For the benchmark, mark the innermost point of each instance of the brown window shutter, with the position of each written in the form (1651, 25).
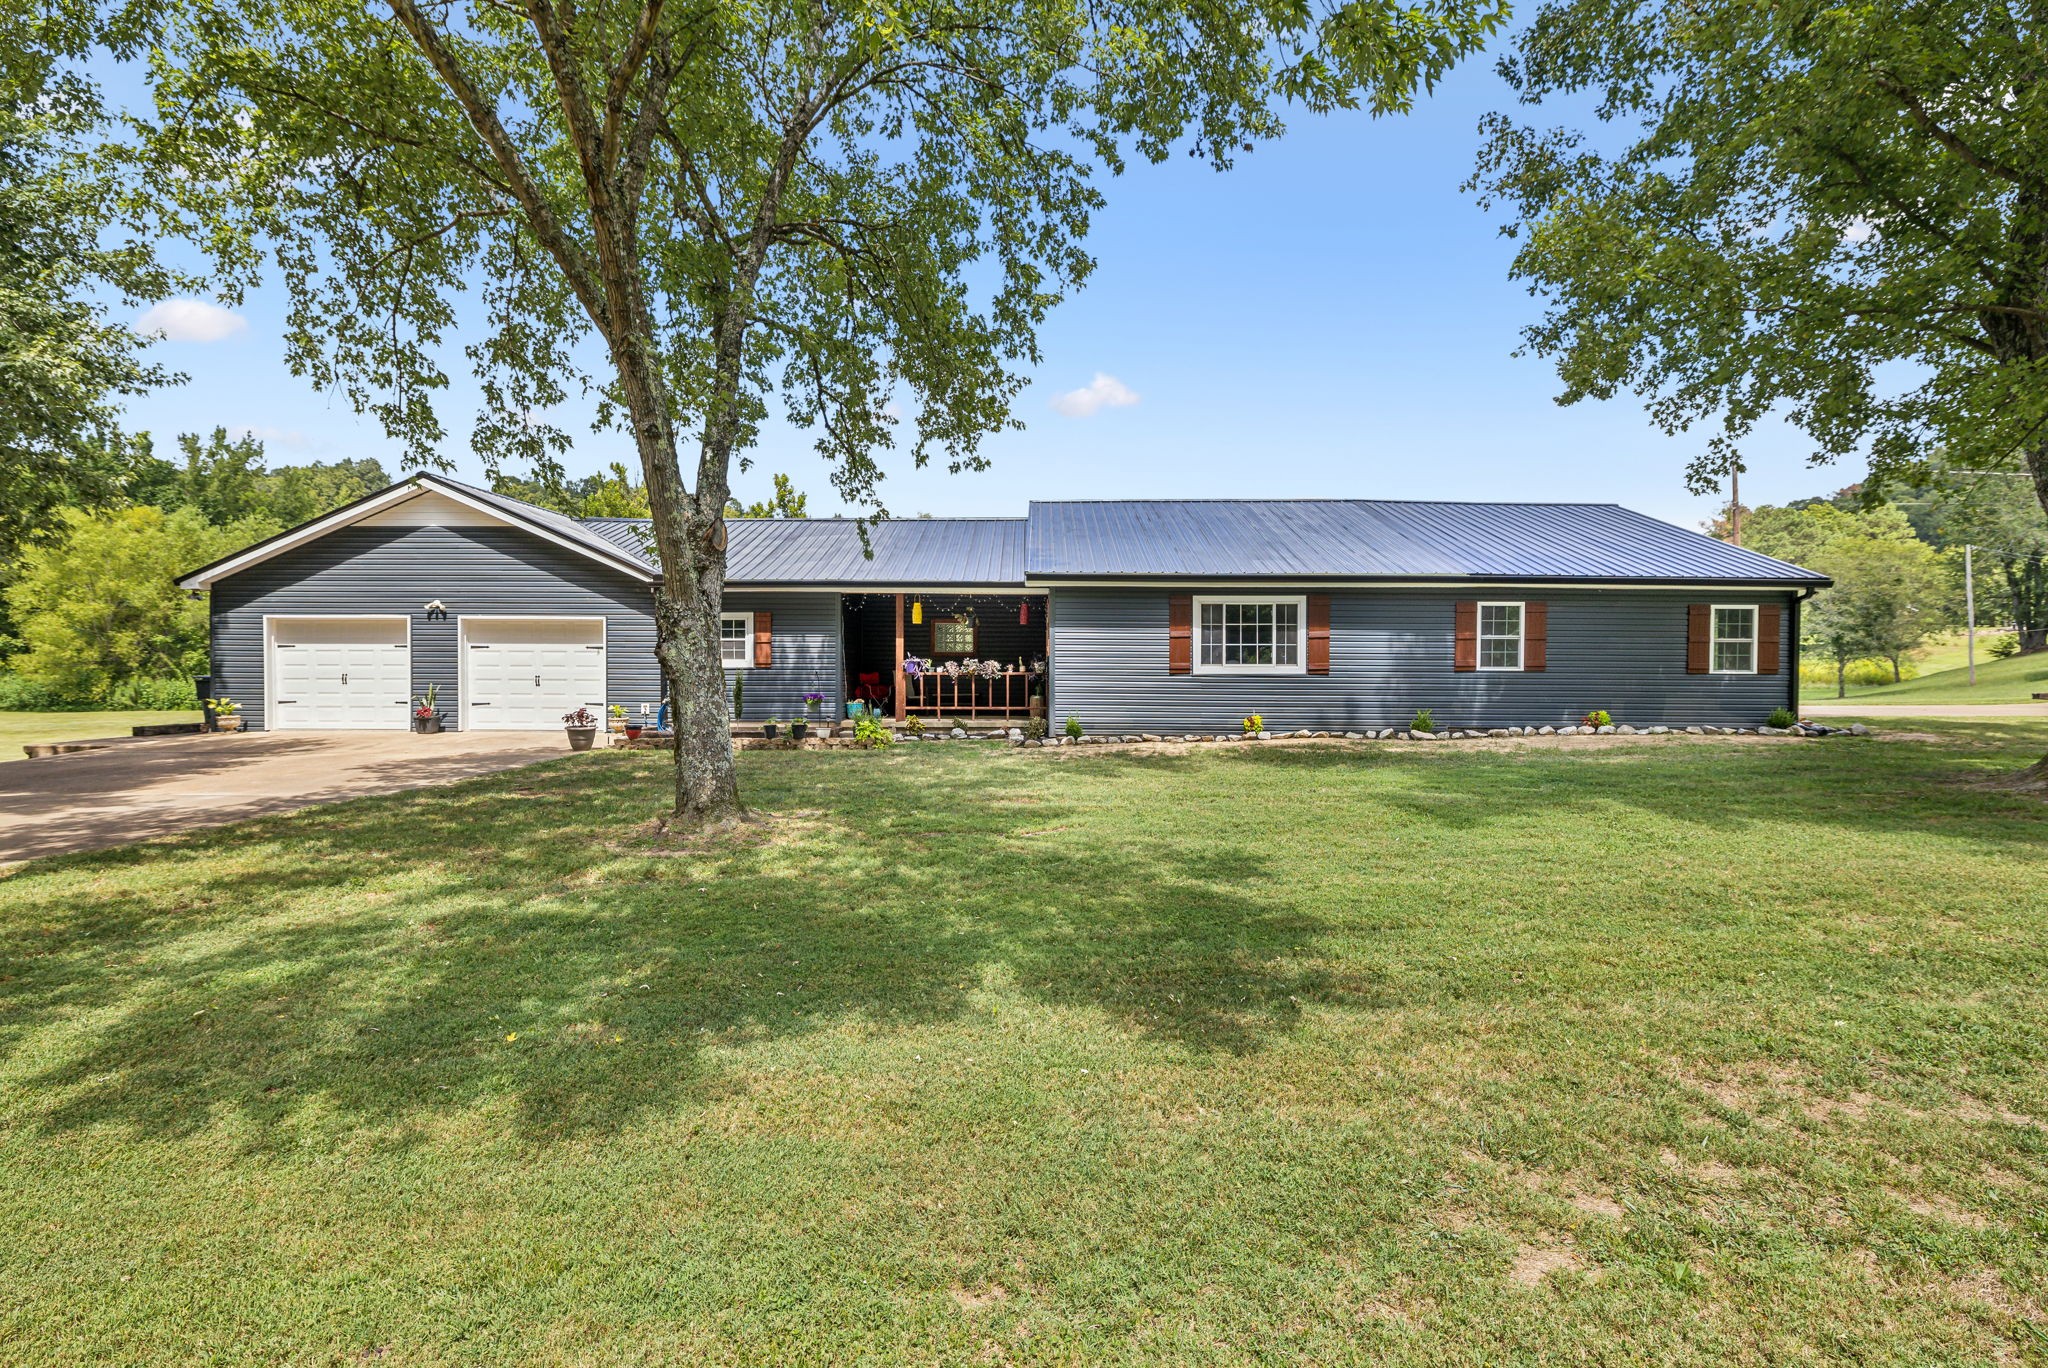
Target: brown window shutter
(764, 640)
(1180, 633)
(1318, 633)
(1535, 635)
(1465, 652)
(1770, 635)
(1699, 646)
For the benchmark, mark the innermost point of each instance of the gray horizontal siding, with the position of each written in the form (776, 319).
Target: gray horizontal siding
(807, 655)
(1390, 654)
(397, 570)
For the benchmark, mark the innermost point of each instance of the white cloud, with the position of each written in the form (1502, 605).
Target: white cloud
(1859, 231)
(1104, 391)
(189, 320)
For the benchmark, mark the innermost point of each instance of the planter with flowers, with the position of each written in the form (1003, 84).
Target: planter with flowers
(426, 712)
(224, 714)
(801, 727)
(582, 728)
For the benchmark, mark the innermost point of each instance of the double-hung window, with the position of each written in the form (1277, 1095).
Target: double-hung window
(736, 638)
(1250, 635)
(1734, 641)
(1500, 636)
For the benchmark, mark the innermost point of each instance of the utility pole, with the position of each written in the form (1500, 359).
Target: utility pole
(1970, 608)
(1735, 503)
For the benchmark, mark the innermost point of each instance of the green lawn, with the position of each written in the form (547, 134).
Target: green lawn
(18, 729)
(2012, 680)
(1667, 1051)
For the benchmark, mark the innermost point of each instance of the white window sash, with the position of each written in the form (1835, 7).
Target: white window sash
(1519, 637)
(1715, 640)
(746, 643)
(1299, 602)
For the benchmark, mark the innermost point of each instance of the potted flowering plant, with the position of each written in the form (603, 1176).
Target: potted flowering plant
(772, 728)
(800, 727)
(426, 712)
(582, 728)
(224, 710)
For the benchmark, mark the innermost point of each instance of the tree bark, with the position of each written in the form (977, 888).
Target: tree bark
(1841, 678)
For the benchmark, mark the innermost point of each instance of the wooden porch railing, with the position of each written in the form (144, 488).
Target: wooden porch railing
(939, 694)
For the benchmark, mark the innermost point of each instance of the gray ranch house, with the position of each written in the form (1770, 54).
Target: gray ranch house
(1133, 615)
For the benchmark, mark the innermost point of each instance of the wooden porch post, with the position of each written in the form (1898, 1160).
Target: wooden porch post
(899, 658)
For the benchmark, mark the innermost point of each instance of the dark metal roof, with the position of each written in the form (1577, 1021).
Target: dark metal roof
(828, 551)
(1304, 539)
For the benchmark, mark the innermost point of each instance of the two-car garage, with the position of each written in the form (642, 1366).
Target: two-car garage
(359, 673)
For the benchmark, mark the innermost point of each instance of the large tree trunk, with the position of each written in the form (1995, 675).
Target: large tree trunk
(686, 641)
(1841, 677)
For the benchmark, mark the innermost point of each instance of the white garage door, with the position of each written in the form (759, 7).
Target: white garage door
(340, 674)
(523, 674)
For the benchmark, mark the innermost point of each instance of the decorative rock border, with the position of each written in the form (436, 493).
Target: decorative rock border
(1467, 734)
(1014, 736)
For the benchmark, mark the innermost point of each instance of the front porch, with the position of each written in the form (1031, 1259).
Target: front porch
(908, 654)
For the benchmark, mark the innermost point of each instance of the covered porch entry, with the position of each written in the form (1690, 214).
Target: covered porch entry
(977, 657)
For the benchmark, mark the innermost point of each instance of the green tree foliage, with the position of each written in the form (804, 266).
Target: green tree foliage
(1891, 589)
(1788, 201)
(101, 606)
(2011, 534)
(614, 495)
(731, 206)
(227, 481)
(786, 503)
(63, 363)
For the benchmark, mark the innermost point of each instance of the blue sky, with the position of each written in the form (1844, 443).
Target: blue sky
(1332, 318)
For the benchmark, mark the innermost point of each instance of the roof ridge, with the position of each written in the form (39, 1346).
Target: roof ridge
(1325, 499)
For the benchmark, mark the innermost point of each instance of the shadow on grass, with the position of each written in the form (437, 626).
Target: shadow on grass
(364, 965)
(1859, 785)
(370, 961)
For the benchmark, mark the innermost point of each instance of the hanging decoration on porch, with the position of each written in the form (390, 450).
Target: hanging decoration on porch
(917, 611)
(1023, 612)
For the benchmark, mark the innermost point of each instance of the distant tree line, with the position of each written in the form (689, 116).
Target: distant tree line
(90, 611)
(1898, 565)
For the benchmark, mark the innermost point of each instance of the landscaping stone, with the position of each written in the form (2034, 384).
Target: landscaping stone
(1695, 731)
(1422, 736)
(1604, 731)
(1858, 729)
(1624, 730)
(1497, 731)
(1016, 733)
(1263, 736)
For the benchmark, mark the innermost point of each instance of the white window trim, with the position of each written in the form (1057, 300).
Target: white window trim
(1300, 665)
(1480, 638)
(746, 661)
(1714, 637)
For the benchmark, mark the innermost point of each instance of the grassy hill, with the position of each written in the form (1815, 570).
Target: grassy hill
(2013, 680)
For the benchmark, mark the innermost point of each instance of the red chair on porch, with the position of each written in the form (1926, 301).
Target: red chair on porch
(871, 690)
